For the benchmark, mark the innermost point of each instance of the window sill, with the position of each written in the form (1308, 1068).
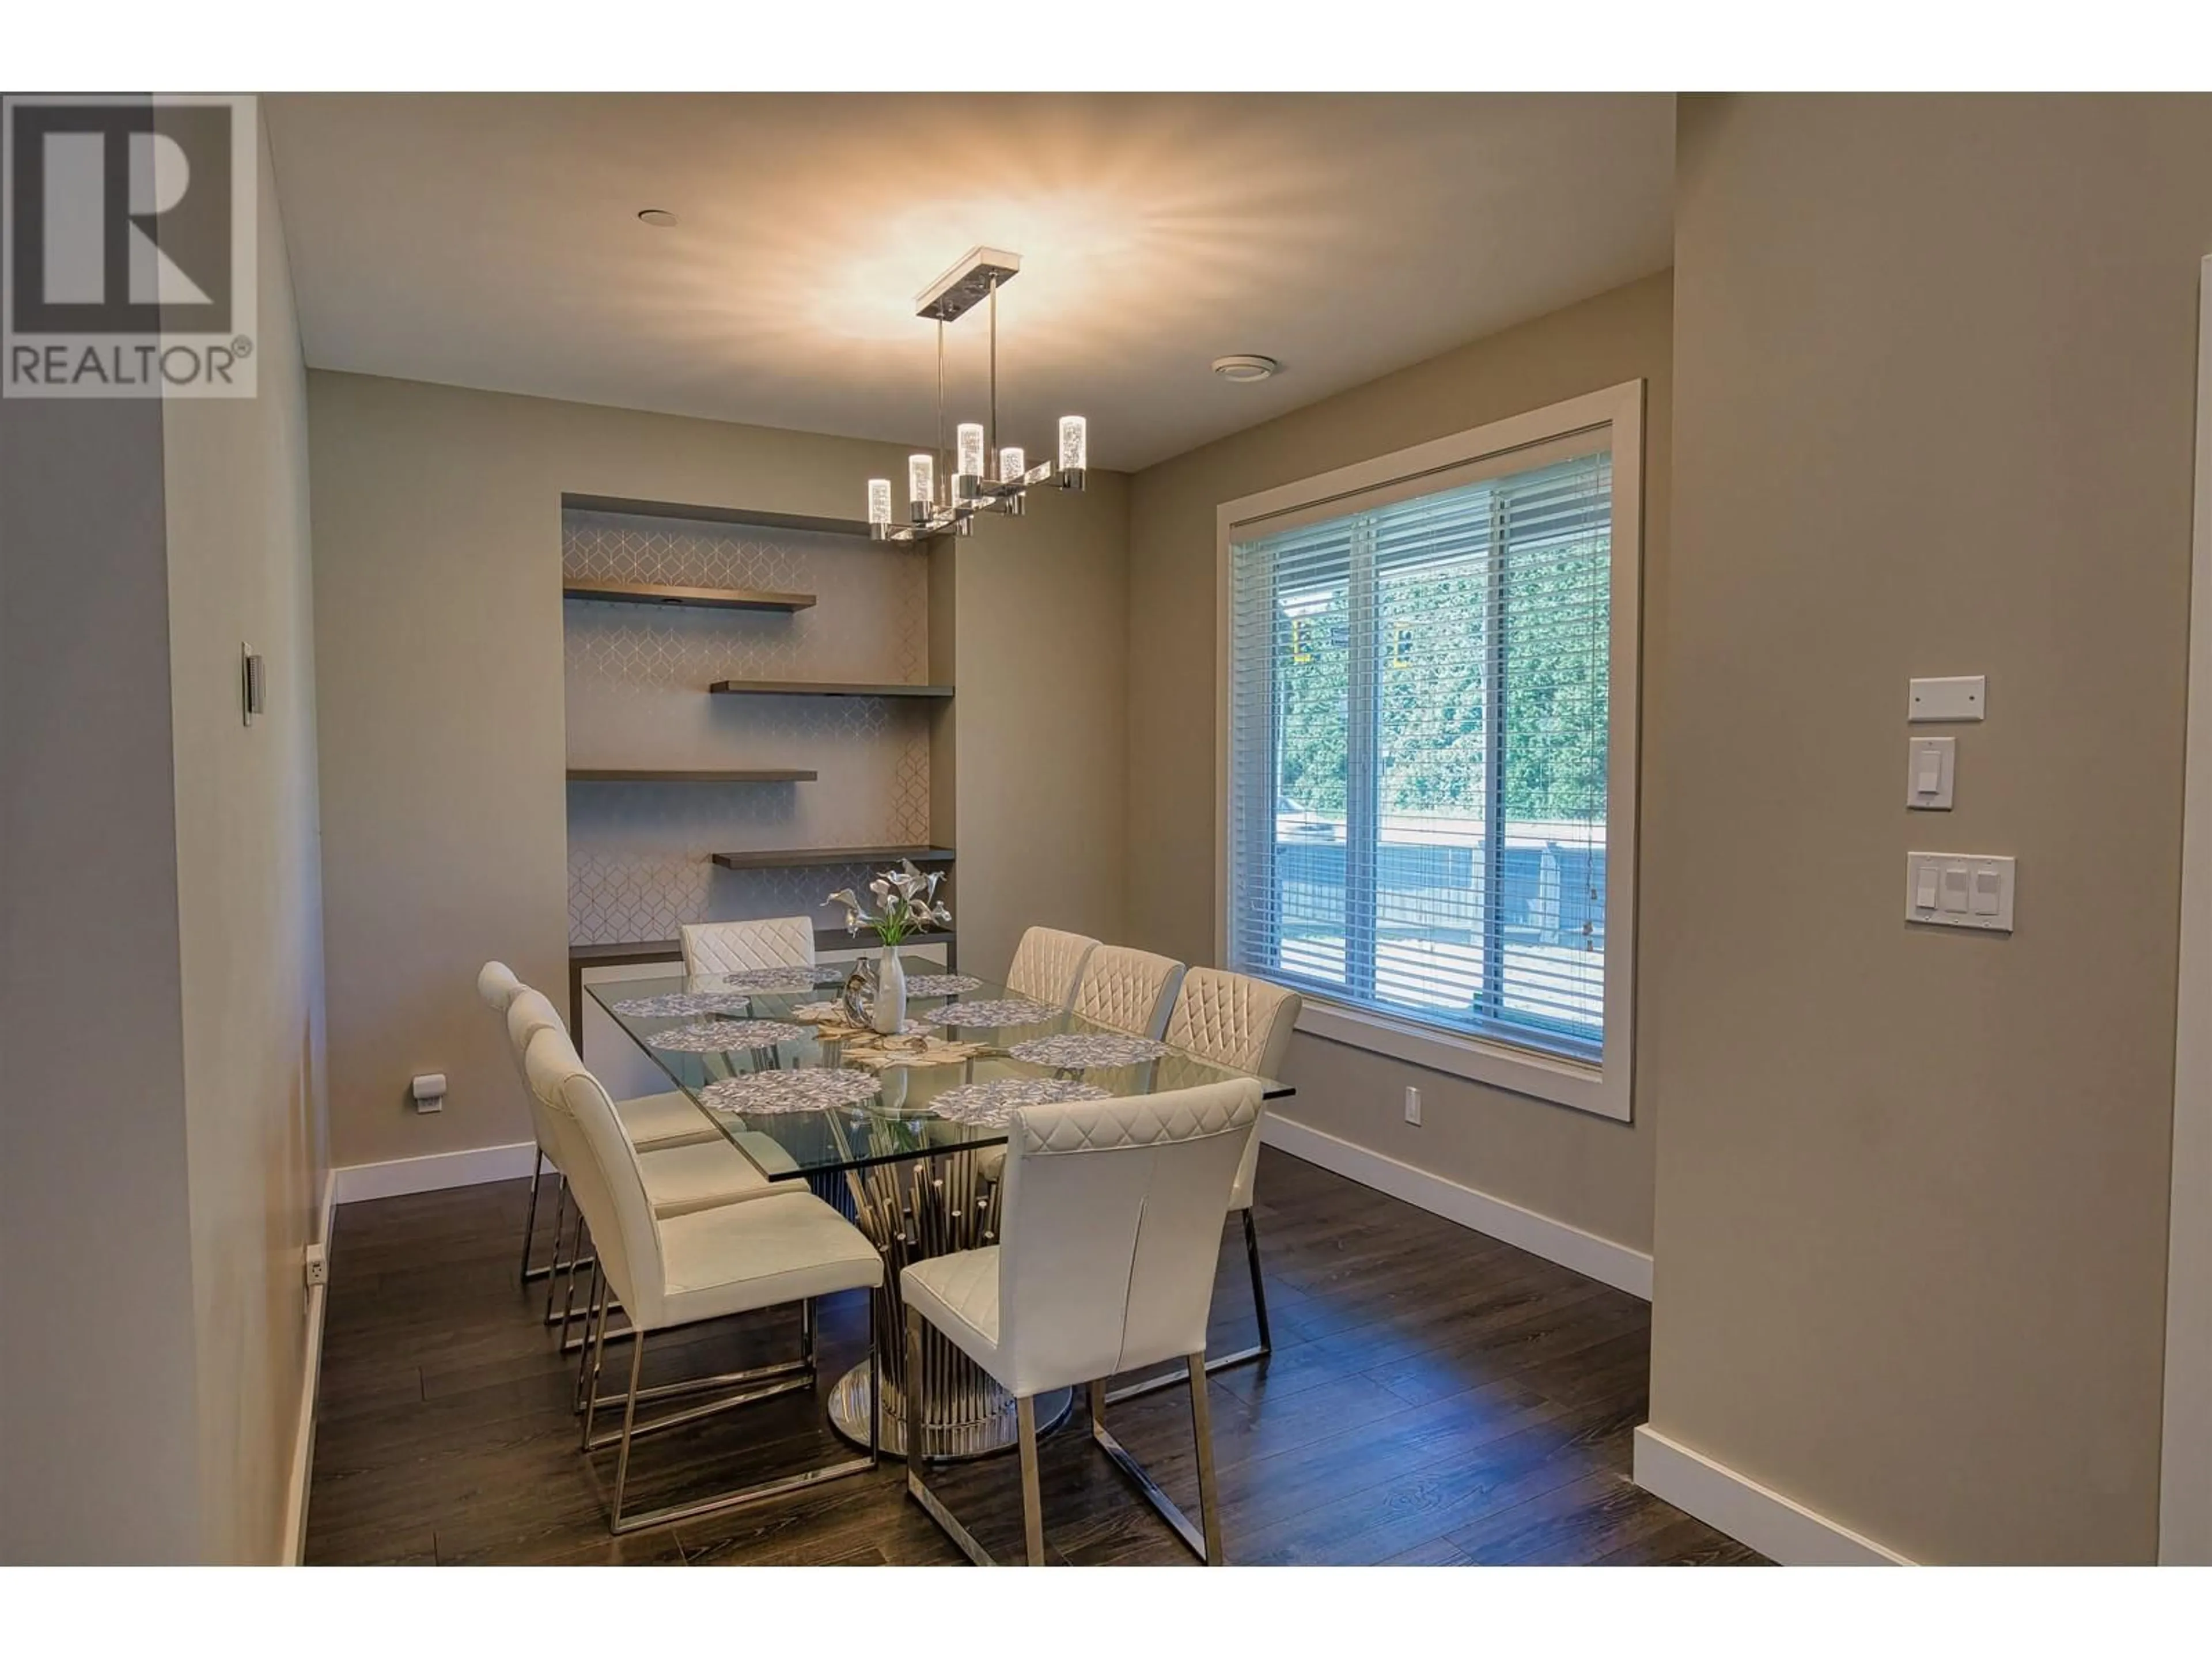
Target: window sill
(1602, 1090)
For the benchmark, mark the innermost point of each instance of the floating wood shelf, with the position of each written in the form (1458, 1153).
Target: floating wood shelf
(821, 689)
(706, 598)
(635, 508)
(673, 775)
(797, 858)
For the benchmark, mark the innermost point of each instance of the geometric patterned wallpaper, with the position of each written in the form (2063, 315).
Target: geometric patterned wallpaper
(636, 679)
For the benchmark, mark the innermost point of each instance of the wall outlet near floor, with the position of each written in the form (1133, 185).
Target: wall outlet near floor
(319, 1267)
(428, 1091)
(1413, 1105)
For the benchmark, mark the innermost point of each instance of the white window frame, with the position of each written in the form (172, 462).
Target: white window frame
(1605, 1087)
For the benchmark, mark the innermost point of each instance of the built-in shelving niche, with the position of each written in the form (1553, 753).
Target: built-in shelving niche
(760, 710)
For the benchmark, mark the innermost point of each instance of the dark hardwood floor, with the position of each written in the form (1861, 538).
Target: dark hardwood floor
(1435, 1397)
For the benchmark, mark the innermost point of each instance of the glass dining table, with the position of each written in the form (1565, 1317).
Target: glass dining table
(904, 1132)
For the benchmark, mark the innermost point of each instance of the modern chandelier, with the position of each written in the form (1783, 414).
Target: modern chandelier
(981, 477)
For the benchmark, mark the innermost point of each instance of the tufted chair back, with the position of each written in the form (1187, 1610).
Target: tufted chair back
(730, 947)
(603, 1175)
(497, 985)
(1235, 1020)
(529, 1012)
(1111, 1228)
(1128, 990)
(1048, 964)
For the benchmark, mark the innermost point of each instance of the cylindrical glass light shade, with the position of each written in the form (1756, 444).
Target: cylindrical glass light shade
(921, 480)
(879, 501)
(969, 447)
(1011, 465)
(1075, 443)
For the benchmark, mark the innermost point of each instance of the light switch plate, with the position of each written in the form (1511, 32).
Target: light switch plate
(1960, 889)
(1956, 697)
(1930, 766)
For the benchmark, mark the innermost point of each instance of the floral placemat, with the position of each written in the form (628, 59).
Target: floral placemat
(784, 979)
(677, 1005)
(721, 1037)
(1075, 1050)
(941, 985)
(991, 1105)
(978, 1016)
(810, 1089)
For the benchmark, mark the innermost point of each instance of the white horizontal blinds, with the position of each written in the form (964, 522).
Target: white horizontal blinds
(1292, 625)
(1403, 679)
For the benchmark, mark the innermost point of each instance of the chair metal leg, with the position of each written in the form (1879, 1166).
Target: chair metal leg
(1259, 1293)
(630, 1421)
(587, 1379)
(1264, 1346)
(1201, 1427)
(557, 1266)
(584, 1357)
(553, 1262)
(917, 1403)
(1141, 1476)
(530, 1218)
(619, 1523)
(1032, 1502)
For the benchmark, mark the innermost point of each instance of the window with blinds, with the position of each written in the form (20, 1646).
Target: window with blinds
(1419, 713)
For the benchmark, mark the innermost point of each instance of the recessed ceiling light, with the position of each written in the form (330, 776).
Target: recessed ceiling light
(1245, 367)
(660, 217)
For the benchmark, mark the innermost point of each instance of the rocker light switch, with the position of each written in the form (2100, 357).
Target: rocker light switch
(1929, 772)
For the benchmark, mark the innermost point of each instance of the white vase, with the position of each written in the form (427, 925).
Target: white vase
(890, 1011)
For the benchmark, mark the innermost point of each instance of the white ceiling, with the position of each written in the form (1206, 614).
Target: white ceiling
(490, 240)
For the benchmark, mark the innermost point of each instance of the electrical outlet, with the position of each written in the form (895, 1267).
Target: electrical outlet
(319, 1267)
(1413, 1105)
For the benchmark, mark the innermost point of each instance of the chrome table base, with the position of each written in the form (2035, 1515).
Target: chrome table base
(976, 1416)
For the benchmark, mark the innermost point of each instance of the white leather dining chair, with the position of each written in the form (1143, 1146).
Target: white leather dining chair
(1112, 1220)
(675, 1271)
(1128, 990)
(651, 1121)
(730, 947)
(1048, 965)
(1245, 1023)
(679, 1178)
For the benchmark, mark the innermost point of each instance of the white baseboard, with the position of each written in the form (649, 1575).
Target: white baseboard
(311, 1377)
(1779, 1527)
(434, 1173)
(1601, 1259)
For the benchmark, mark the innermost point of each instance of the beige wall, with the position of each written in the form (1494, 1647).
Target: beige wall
(1586, 1170)
(160, 1160)
(99, 1448)
(1041, 722)
(1935, 361)
(249, 910)
(439, 636)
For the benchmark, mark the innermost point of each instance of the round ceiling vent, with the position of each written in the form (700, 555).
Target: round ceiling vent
(1245, 367)
(661, 218)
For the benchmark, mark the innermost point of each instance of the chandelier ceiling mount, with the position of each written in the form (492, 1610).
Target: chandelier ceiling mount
(945, 489)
